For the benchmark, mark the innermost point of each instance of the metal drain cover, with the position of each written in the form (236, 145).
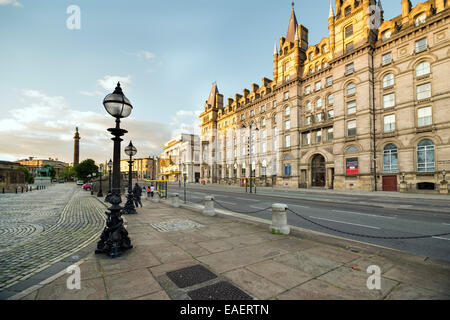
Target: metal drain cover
(176, 225)
(191, 276)
(219, 291)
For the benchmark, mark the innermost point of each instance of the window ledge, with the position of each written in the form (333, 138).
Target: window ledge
(388, 88)
(349, 139)
(427, 100)
(424, 129)
(425, 76)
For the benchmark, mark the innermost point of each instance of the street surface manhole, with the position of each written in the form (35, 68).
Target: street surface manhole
(176, 225)
(191, 276)
(219, 291)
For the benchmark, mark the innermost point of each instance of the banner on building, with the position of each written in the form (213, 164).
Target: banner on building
(352, 166)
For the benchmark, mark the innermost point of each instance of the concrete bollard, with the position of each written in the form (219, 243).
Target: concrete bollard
(156, 198)
(209, 210)
(279, 219)
(175, 200)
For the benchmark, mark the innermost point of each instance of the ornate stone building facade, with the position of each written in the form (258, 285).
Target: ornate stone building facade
(364, 109)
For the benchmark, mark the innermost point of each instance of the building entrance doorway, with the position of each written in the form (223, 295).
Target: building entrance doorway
(390, 183)
(318, 171)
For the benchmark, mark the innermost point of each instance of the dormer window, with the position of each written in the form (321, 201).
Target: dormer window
(386, 35)
(421, 19)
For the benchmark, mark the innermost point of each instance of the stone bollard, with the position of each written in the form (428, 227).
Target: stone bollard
(156, 198)
(175, 200)
(279, 219)
(209, 207)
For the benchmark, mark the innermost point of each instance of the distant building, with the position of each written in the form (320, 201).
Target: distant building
(34, 164)
(181, 157)
(143, 168)
(10, 177)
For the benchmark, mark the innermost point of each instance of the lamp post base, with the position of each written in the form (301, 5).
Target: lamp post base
(114, 239)
(129, 206)
(108, 197)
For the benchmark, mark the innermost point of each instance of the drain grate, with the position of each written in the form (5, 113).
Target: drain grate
(188, 277)
(219, 291)
(176, 225)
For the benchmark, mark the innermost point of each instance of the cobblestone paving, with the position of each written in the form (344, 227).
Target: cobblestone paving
(40, 227)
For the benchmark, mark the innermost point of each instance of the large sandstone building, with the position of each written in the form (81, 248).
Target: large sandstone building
(364, 109)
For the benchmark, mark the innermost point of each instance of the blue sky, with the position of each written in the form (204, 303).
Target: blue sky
(167, 54)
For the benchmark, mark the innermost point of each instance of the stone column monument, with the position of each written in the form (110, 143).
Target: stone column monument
(76, 148)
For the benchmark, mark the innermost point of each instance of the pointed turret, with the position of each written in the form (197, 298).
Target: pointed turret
(212, 95)
(275, 49)
(331, 13)
(292, 26)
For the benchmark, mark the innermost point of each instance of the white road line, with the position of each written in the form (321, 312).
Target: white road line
(364, 214)
(298, 206)
(441, 238)
(246, 199)
(446, 224)
(230, 203)
(259, 208)
(353, 224)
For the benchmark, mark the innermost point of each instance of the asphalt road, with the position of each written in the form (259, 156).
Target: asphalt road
(393, 220)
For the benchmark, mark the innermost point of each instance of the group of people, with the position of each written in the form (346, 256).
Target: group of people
(137, 193)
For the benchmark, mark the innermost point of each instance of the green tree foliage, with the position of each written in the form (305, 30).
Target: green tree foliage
(28, 177)
(67, 173)
(85, 168)
(52, 171)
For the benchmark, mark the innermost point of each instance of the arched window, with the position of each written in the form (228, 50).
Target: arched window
(319, 103)
(308, 106)
(352, 150)
(351, 89)
(287, 111)
(423, 69)
(390, 158)
(388, 80)
(425, 156)
(330, 99)
(263, 122)
(274, 119)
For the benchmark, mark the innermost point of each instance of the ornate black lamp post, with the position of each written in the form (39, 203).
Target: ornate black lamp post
(114, 239)
(129, 206)
(100, 191)
(110, 166)
(250, 141)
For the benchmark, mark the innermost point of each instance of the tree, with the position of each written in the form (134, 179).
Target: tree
(52, 171)
(67, 173)
(85, 168)
(28, 177)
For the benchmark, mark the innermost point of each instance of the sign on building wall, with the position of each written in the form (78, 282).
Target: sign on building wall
(352, 166)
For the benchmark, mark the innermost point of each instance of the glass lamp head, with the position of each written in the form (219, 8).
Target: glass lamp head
(130, 150)
(116, 104)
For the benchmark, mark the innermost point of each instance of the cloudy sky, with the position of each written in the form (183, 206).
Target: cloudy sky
(166, 54)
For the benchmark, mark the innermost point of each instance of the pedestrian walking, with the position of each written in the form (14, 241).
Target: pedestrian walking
(149, 190)
(152, 191)
(137, 192)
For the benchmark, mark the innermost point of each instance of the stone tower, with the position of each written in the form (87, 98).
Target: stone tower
(76, 148)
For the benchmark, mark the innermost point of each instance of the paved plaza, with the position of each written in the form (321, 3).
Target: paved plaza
(40, 228)
(180, 254)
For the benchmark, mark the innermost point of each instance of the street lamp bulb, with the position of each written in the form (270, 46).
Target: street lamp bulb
(130, 150)
(110, 164)
(116, 104)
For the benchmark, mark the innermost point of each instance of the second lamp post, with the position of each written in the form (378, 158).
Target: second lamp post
(129, 206)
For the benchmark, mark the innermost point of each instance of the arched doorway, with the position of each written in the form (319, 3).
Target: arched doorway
(318, 171)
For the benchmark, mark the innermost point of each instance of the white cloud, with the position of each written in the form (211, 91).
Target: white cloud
(43, 126)
(91, 94)
(108, 83)
(146, 55)
(186, 121)
(15, 3)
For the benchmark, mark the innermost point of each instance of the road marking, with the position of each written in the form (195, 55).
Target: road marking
(440, 238)
(446, 224)
(353, 224)
(230, 203)
(246, 199)
(296, 205)
(259, 208)
(364, 214)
